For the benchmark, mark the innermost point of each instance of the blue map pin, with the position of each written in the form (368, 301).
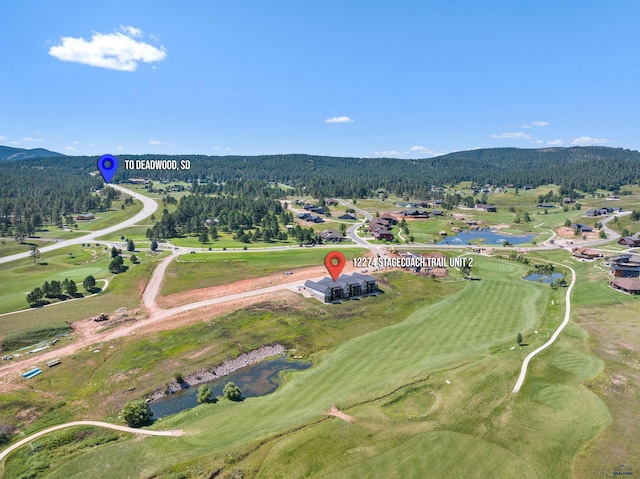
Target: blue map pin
(108, 164)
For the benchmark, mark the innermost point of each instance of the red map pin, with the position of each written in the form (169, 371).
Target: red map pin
(335, 262)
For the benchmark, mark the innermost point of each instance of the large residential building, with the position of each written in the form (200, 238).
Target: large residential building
(346, 287)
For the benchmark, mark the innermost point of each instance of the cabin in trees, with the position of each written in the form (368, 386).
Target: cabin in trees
(86, 217)
(346, 287)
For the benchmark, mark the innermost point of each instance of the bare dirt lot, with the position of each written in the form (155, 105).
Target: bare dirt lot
(186, 297)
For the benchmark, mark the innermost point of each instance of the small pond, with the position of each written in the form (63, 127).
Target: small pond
(545, 277)
(485, 236)
(255, 380)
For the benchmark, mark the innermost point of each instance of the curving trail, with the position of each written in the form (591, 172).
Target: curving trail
(565, 321)
(145, 432)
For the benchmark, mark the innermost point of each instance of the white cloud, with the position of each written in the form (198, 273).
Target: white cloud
(387, 153)
(69, 148)
(114, 51)
(513, 135)
(155, 38)
(131, 31)
(339, 119)
(14, 142)
(2, 138)
(156, 142)
(536, 142)
(588, 140)
(27, 138)
(119, 147)
(556, 142)
(535, 123)
(91, 144)
(420, 149)
(76, 142)
(217, 147)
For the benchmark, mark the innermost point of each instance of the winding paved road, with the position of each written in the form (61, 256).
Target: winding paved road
(149, 206)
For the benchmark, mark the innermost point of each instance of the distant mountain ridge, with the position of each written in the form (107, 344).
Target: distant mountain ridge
(583, 168)
(8, 153)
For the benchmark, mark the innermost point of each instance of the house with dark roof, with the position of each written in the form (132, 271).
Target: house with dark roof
(583, 228)
(382, 234)
(331, 235)
(630, 241)
(390, 218)
(347, 216)
(487, 208)
(345, 287)
(625, 266)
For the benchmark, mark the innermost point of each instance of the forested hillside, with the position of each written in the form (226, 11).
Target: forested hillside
(35, 195)
(8, 153)
(579, 168)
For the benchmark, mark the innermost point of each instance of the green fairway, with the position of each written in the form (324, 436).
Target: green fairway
(75, 263)
(479, 317)
(201, 270)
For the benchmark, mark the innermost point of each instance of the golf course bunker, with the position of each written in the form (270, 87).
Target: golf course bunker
(255, 380)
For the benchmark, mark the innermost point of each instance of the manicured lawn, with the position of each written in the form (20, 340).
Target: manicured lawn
(75, 263)
(458, 328)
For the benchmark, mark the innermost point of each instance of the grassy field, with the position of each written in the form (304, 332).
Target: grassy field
(75, 263)
(124, 291)
(9, 246)
(465, 339)
(201, 270)
(112, 217)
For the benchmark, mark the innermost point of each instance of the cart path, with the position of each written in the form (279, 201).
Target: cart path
(534, 353)
(107, 425)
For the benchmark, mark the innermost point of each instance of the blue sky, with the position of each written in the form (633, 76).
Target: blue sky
(347, 78)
